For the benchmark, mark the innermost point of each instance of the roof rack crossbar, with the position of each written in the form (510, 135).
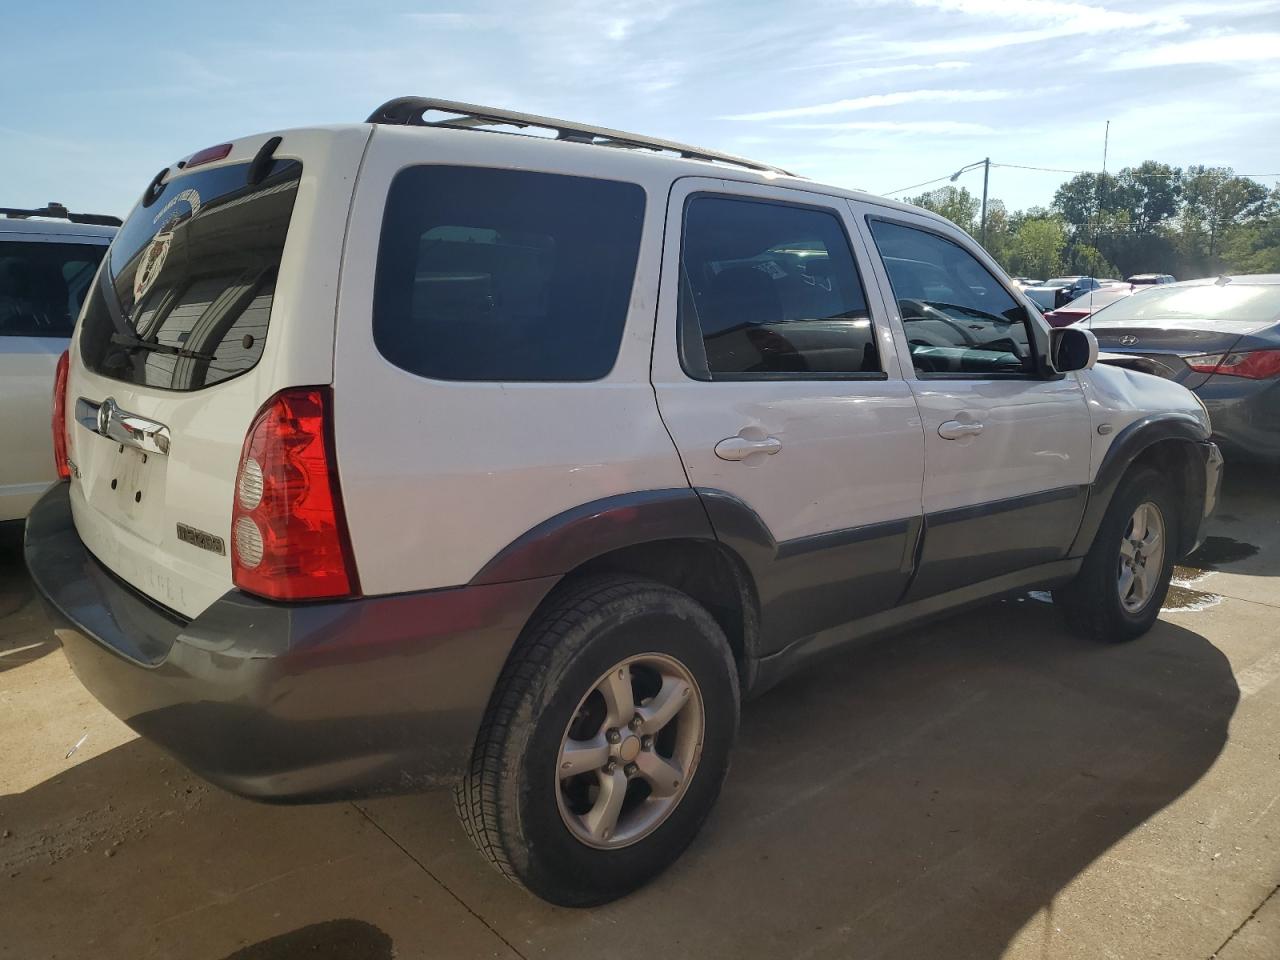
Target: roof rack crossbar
(59, 212)
(410, 111)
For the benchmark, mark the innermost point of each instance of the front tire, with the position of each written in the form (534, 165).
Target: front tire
(1125, 577)
(605, 743)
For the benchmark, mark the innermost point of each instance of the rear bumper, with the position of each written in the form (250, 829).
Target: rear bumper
(1245, 415)
(285, 702)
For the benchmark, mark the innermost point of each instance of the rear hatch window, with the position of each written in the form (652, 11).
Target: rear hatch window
(184, 299)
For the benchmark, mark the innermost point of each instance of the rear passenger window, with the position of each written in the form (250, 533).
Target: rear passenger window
(957, 317)
(487, 274)
(770, 290)
(42, 286)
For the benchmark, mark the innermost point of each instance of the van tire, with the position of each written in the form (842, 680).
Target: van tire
(1092, 602)
(511, 799)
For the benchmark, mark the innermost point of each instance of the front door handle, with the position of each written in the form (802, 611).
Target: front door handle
(955, 429)
(739, 448)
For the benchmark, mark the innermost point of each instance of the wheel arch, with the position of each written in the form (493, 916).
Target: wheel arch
(663, 535)
(1170, 443)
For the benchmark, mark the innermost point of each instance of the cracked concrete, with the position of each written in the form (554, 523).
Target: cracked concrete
(986, 787)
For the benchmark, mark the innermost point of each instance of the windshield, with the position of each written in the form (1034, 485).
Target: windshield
(1250, 303)
(185, 297)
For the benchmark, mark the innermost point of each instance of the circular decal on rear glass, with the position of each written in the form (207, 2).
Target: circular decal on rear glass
(170, 215)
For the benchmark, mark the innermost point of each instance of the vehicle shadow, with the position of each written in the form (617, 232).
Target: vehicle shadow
(1244, 536)
(24, 633)
(923, 796)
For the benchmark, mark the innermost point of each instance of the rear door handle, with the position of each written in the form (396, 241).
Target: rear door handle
(739, 448)
(955, 429)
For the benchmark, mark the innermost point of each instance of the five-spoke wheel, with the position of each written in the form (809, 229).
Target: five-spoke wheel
(629, 750)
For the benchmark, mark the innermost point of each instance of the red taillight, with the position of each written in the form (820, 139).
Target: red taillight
(60, 417)
(1252, 364)
(207, 155)
(288, 535)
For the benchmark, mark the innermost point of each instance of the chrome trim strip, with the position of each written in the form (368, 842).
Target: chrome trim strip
(131, 429)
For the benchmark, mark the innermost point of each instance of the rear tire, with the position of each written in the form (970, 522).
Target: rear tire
(1123, 582)
(606, 645)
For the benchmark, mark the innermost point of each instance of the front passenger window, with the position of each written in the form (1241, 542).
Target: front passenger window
(957, 316)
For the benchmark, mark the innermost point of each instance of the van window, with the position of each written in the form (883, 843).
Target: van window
(185, 296)
(770, 290)
(505, 275)
(42, 286)
(957, 317)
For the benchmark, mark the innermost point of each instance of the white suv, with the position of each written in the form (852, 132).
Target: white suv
(48, 257)
(406, 453)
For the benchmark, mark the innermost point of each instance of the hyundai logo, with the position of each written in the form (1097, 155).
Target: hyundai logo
(1128, 340)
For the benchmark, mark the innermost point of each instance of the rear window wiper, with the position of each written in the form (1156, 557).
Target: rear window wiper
(128, 340)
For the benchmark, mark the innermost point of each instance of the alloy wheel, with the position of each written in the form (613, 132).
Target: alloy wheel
(629, 751)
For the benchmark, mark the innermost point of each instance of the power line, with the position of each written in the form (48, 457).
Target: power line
(916, 186)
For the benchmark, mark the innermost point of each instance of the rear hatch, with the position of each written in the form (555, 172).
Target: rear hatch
(218, 292)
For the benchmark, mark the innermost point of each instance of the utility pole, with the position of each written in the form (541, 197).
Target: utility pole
(986, 173)
(1106, 139)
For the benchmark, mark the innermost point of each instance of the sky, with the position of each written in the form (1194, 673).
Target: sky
(876, 94)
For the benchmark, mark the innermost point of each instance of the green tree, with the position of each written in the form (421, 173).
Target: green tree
(1036, 248)
(1214, 201)
(1148, 193)
(1254, 246)
(1088, 261)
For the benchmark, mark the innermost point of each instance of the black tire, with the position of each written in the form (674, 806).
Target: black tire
(1092, 602)
(507, 801)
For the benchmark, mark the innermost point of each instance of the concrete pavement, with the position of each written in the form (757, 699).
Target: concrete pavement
(986, 787)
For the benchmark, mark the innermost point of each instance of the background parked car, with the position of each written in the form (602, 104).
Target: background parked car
(1048, 296)
(1089, 303)
(1149, 279)
(46, 267)
(1219, 338)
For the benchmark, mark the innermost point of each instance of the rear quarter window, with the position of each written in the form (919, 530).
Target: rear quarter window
(505, 275)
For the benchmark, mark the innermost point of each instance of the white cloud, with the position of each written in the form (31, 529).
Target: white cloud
(1223, 50)
(854, 72)
(881, 100)
(945, 127)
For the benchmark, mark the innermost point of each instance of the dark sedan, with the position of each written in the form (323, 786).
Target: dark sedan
(1219, 338)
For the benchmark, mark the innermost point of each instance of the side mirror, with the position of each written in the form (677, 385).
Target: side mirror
(1073, 349)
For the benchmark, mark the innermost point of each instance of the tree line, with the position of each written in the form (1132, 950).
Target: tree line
(1153, 218)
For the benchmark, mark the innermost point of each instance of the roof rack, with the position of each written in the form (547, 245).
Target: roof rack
(60, 212)
(410, 111)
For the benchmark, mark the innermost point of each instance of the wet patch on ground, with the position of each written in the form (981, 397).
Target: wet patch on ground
(1186, 600)
(1219, 550)
(1184, 595)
